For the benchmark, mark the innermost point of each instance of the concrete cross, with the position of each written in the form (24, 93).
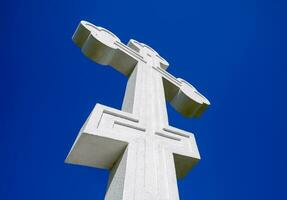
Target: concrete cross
(144, 154)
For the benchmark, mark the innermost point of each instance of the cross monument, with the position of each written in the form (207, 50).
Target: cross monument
(145, 155)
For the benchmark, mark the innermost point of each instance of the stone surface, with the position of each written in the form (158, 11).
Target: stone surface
(144, 154)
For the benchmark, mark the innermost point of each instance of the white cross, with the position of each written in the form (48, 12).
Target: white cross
(144, 154)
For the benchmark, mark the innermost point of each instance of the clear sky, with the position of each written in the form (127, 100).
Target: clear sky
(233, 51)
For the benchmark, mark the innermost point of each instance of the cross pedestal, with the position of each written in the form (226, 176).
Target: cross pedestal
(144, 154)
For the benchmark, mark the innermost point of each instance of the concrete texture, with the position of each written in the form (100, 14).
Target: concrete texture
(144, 154)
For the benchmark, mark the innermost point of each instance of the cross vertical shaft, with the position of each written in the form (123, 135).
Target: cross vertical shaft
(150, 164)
(144, 97)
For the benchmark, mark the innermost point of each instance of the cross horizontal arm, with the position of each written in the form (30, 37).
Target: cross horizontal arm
(183, 97)
(103, 137)
(108, 131)
(103, 47)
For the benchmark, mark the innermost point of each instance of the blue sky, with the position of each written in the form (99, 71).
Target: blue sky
(234, 52)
